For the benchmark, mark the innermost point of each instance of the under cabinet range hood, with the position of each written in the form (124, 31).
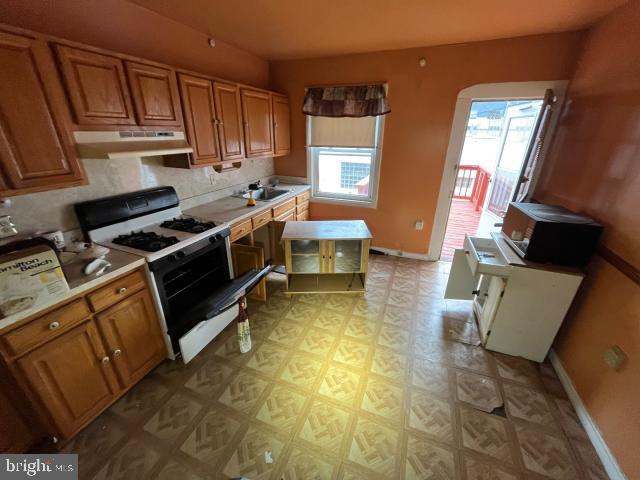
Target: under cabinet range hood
(131, 144)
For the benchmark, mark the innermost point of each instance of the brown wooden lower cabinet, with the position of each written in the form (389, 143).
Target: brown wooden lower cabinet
(135, 347)
(72, 377)
(73, 374)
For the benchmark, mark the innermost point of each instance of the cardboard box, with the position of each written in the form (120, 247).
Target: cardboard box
(30, 278)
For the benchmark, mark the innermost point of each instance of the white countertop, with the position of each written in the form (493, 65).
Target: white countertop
(121, 262)
(233, 209)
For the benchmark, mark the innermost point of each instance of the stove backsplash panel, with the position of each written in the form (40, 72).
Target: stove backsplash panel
(53, 210)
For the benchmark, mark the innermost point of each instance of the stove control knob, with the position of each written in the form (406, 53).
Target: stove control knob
(180, 254)
(215, 238)
(171, 257)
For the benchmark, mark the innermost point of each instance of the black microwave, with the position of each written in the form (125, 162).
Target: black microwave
(550, 234)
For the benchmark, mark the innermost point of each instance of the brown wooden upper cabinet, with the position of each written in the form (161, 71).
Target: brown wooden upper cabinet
(257, 114)
(155, 95)
(199, 119)
(100, 94)
(36, 143)
(229, 120)
(97, 87)
(281, 131)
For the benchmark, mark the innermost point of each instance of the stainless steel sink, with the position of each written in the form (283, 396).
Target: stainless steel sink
(265, 194)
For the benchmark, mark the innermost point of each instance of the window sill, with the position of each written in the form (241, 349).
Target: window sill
(344, 201)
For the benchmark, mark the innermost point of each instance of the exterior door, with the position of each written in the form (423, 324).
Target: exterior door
(36, 144)
(132, 333)
(199, 119)
(229, 120)
(245, 258)
(257, 114)
(72, 376)
(281, 125)
(515, 142)
(97, 86)
(155, 95)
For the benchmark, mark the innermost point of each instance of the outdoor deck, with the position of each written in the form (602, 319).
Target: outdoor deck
(463, 218)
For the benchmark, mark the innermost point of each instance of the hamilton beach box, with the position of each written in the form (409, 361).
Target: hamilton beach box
(30, 277)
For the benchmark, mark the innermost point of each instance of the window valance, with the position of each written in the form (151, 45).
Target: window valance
(346, 101)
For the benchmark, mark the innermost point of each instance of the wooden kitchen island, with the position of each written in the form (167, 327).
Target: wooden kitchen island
(326, 256)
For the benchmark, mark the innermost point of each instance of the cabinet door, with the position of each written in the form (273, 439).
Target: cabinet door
(306, 256)
(281, 130)
(97, 87)
(133, 337)
(229, 120)
(72, 377)
(257, 115)
(347, 256)
(36, 145)
(490, 306)
(461, 282)
(199, 119)
(328, 250)
(245, 258)
(155, 95)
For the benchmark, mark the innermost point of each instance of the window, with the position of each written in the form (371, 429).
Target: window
(344, 158)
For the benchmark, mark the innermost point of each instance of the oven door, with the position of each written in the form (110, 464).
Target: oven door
(214, 313)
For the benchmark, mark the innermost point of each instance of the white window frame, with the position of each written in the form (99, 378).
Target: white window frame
(370, 200)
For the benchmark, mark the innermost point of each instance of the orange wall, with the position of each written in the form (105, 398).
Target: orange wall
(128, 28)
(417, 129)
(594, 167)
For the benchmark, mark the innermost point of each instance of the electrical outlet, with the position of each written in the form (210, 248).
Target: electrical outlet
(419, 224)
(7, 228)
(614, 357)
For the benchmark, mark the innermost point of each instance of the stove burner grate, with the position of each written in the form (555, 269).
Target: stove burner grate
(189, 224)
(147, 241)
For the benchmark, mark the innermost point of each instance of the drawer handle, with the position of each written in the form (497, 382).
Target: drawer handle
(117, 352)
(105, 360)
(121, 290)
(54, 325)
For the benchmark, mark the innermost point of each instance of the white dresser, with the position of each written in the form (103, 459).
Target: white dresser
(519, 305)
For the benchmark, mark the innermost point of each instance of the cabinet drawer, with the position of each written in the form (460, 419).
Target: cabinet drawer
(303, 197)
(289, 215)
(302, 207)
(240, 230)
(261, 219)
(301, 217)
(116, 291)
(45, 328)
(484, 256)
(283, 207)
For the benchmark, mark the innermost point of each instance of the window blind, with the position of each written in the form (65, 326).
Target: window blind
(342, 132)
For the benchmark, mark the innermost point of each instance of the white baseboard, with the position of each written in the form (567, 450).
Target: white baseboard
(400, 253)
(606, 457)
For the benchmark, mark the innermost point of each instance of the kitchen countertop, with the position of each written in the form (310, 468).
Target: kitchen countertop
(121, 262)
(233, 209)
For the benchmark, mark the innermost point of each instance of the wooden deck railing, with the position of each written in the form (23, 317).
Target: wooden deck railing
(472, 183)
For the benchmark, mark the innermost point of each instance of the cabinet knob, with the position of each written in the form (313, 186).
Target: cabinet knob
(117, 352)
(54, 325)
(121, 290)
(105, 360)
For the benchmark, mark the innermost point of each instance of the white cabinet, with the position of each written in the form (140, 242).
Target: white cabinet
(519, 306)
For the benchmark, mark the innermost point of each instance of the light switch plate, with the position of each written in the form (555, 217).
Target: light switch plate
(614, 357)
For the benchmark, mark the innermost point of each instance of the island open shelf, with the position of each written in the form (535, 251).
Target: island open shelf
(326, 256)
